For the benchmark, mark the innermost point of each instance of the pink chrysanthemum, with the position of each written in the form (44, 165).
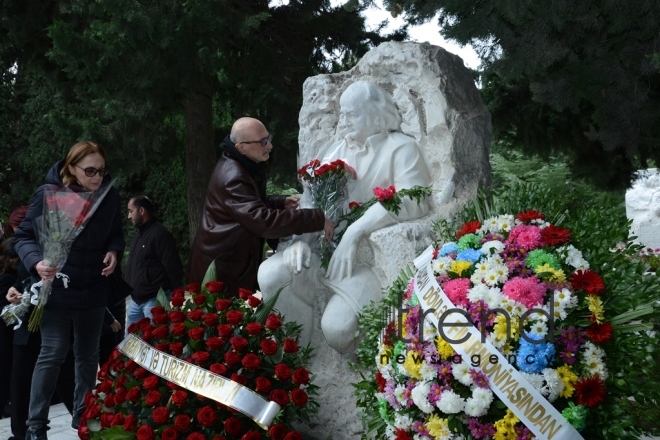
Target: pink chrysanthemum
(456, 290)
(527, 291)
(528, 237)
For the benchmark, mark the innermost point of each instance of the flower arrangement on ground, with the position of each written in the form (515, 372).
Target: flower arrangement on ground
(533, 296)
(235, 337)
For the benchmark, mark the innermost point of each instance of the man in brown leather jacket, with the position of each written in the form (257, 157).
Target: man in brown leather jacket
(238, 215)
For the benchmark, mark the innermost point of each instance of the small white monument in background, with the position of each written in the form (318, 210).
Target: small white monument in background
(406, 114)
(643, 208)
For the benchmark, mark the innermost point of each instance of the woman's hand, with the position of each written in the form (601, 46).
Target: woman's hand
(45, 270)
(13, 295)
(110, 262)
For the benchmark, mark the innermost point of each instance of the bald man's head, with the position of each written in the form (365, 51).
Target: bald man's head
(247, 135)
(243, 129)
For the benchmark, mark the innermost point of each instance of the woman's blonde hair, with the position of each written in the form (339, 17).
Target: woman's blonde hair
(75, 155)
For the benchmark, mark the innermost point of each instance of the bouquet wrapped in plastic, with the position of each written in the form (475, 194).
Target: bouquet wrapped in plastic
(65, 214)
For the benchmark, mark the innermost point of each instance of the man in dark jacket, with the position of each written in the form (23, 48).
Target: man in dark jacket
(238, 215)
(153, 261)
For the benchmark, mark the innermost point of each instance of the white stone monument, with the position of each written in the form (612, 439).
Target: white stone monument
(643, 208)
(406, 114)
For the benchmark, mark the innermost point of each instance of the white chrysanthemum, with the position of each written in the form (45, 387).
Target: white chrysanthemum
(553, 384)
(519, 309)
(428, 371)
(539, 328)
(558, 311)
(506, 222)
(398, 393)
(441, 265)
(563, 296)
(462, 373)
(535, 380)
(450, 402)
(481, 265)
(478, 276)
(492, 277)
(419, 396)
(402, 421)
(483, 396)
(590, 350)
(491, 225)
(493, 298)
(474, 409)
(574, 257)
(477, 292)
(498, 342)
(491, 247)
(599, 370)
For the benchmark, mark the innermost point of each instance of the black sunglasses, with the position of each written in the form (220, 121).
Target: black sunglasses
(263, 141)
(91, 171)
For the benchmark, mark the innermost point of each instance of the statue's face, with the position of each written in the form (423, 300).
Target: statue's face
(357, 119)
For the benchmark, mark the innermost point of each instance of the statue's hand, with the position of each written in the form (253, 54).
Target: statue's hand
(341, 263)
(297, 256)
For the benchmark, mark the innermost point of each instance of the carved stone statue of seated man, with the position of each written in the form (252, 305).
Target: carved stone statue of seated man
(382, 156)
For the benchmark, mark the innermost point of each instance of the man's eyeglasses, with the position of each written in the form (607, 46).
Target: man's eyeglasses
(263, 141)
(91, 171)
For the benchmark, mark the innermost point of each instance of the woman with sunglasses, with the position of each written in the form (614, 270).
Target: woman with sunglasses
(81, 305)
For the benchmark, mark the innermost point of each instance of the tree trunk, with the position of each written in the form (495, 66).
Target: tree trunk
(200, 156)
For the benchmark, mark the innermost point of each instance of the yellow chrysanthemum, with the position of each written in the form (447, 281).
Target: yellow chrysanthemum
(445, 350)
(502, 328)
(438, 427)
(556, 275)
(505, 426)
(404, 332)
(460, 266)
(569, 378)
(413, 364)
(596, 308)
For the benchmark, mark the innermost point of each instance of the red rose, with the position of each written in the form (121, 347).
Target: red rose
(219, 437)
(151, 383)
(225, 330)
(300, 376)
(160, 319)
(178, 329)
(210, 319)
(232, 358)
(214, 343)
(177, 316)
(160, 415)
(163, 346)
(131, 365)
(169, 434)
(178, 298)
(103, 372)
(117, 419)
(222, 304)
(277, 432)
(214, 286)
(134, 394)
(206, 416)
(171, 385)
(152, 398)
(145, 432)
(130, 422)
(199, 299)
(290, 346)
(182, 422)
(262, 385)
(144, 323)
(251, 361)
(83, 432)
(238, 343)
(254, 328)
(273, 322)
(196, 333)
(239, 378)
(253, 301)
(283, 372)
(298, 397)
(280, 397)
(104, 386)
(251, 435)
(193, 288)
(268, 346)
(94, 411)
(234, 317)
(158, 311)
(218, 369)
(179, 398)
(196, 436)
(233, 426)
(121, 381)
(353, 205)
(141, 373)
(176, 348)
(244, 293)
(195, 314)
(120, 396)
(109, 401)
(293, 435)
(201, 357)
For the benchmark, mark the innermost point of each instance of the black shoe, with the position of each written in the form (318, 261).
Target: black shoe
(75, 422)
(37, 432)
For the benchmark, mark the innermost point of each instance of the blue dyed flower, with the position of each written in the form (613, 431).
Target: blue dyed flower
(534, 357)
(448, 248)
(470, 255)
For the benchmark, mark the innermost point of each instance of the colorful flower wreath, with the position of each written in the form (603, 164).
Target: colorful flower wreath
(234, 337)
(514, 264)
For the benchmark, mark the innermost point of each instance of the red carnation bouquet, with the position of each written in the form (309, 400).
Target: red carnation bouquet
(238, 338)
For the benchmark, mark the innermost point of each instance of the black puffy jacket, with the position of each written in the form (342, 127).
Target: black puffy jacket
(87, 287)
